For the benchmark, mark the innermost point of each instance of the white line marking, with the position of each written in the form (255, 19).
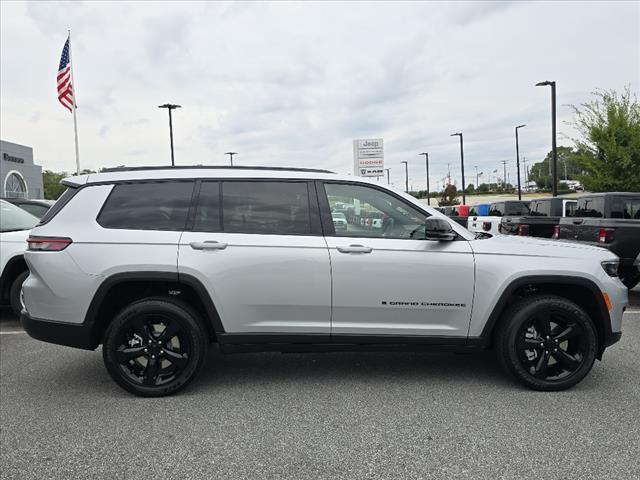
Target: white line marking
(15, 332)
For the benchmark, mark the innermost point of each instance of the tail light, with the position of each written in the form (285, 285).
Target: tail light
(556, 231)
(48, 244)
(606, 235)
(523, 230)
(486, 226)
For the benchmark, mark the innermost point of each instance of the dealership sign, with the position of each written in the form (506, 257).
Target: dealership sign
(368, 157)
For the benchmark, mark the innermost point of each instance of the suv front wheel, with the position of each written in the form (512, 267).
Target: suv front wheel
(154, 347)
(547, 342)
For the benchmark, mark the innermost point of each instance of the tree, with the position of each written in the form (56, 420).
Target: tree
(569, 165)
(609, 147)
(51, 182)
(470, 188)
(449, 196)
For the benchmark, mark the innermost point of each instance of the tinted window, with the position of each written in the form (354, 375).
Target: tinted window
(516, 208)
(207, 216)
(373, 213)
(280, 208)
(496, 210)
(147, 206)
(590, 207)
(570, 209)
(631, 208)
(34, 209)
(540, 209)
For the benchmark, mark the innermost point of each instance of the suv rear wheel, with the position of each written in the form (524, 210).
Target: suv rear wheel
(547, 342)
(154, 347)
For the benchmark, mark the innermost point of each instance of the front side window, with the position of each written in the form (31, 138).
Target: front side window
(278, 208)
(370, 212)
(496, 210)
(147, 206)
(541, 208)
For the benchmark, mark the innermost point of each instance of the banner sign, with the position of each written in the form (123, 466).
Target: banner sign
(368, 157)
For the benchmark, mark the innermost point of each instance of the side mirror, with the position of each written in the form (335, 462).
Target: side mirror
(439, 230)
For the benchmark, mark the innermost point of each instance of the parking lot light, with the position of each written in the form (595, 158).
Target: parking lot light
(554, 148)
(426, 160)
(518, 161)
(459, 134)
(406, 176)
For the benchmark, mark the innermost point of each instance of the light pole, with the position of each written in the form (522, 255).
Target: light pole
(464, 199)
(406, 176)
(426, 159)
(387, 170)
(170, 106)
(554, 148)
(518, 161)
(477, 179)
(231, 154)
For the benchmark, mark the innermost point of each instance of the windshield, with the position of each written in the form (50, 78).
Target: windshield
(13, 218)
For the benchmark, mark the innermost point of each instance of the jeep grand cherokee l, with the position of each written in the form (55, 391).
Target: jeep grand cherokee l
(156, 264)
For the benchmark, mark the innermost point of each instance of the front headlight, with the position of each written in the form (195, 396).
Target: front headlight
(611, 267)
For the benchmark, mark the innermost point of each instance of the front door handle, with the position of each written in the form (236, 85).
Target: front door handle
(355, 249)
(208, 245)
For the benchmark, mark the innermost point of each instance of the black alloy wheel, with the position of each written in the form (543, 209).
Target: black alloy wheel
(547, 342)
(154, 347)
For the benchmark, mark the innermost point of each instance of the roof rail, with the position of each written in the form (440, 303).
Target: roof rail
(214, 167)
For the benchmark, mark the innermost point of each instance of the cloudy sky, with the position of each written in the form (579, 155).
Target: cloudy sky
(294, 83)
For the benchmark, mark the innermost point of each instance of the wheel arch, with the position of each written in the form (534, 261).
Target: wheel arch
(120, 289)
(12, 269)
(582, 291)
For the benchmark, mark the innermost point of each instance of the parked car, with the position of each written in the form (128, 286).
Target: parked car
(339, 221)
(453, 212)
(36, 208)
(155, 264)
(497, 210)
(544, 215)
(479, 210)
(609, 220)
(15, 224)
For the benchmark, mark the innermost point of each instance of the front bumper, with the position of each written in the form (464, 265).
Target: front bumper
(69, 334)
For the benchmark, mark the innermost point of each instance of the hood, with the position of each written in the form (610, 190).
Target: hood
(539, 247)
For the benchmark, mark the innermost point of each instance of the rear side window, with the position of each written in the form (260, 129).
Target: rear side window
(590, 207)
(279, 208)
(496, 210)
(516, 208)
(631, 208)
(540, 209)
(147, 206)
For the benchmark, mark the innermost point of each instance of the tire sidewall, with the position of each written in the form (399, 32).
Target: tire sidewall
(178, 312)
(14, 292)
(522, 315)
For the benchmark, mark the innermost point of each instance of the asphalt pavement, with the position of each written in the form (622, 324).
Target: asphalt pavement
(329, 415)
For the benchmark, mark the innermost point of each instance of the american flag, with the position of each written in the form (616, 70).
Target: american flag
(65, 88)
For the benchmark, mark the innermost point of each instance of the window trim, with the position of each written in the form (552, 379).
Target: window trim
(137, 182)
(325, 209)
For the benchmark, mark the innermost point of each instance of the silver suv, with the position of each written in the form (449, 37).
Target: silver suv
(156, 264)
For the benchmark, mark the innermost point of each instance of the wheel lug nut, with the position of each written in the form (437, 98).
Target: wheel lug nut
(146, 350)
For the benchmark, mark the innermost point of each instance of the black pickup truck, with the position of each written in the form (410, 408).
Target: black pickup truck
(609, 220)
(544, 215)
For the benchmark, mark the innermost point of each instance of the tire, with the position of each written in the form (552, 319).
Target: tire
(528, 350)
(630, 277)
(154, 347)
(14, 292)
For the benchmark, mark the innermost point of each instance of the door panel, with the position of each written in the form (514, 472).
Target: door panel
(259, 280)
(385, 279)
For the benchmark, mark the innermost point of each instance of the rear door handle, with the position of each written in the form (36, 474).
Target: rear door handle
(208, 245)
(355, 249)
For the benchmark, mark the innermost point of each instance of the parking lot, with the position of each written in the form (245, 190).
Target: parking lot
(339, 415)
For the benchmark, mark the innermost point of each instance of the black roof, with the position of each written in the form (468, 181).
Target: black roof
(212, 167)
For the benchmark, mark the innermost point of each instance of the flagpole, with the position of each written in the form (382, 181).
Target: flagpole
(75, 106)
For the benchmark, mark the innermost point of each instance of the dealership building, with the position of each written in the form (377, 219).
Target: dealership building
(19, 176)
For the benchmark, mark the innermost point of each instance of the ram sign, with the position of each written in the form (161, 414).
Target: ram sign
(368, 157)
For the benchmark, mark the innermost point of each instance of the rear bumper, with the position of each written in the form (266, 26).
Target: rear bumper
(69, 334)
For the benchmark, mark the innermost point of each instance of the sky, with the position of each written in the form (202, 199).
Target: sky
(293, 83)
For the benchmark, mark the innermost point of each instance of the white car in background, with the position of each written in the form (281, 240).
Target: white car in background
(339, 221)
(15, 224)
(497, 210)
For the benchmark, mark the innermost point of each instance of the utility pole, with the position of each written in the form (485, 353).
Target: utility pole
(526, 171)
(426, 160)
(459, 134)
(504, 176)
(387, 170)
(518, 161)
(554, 147)
(449, 173)
(477, 177)
(406, 176)
(170, 106)
(231, 154)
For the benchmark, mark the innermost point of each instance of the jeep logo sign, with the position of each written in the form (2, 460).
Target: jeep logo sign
(368, 157)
